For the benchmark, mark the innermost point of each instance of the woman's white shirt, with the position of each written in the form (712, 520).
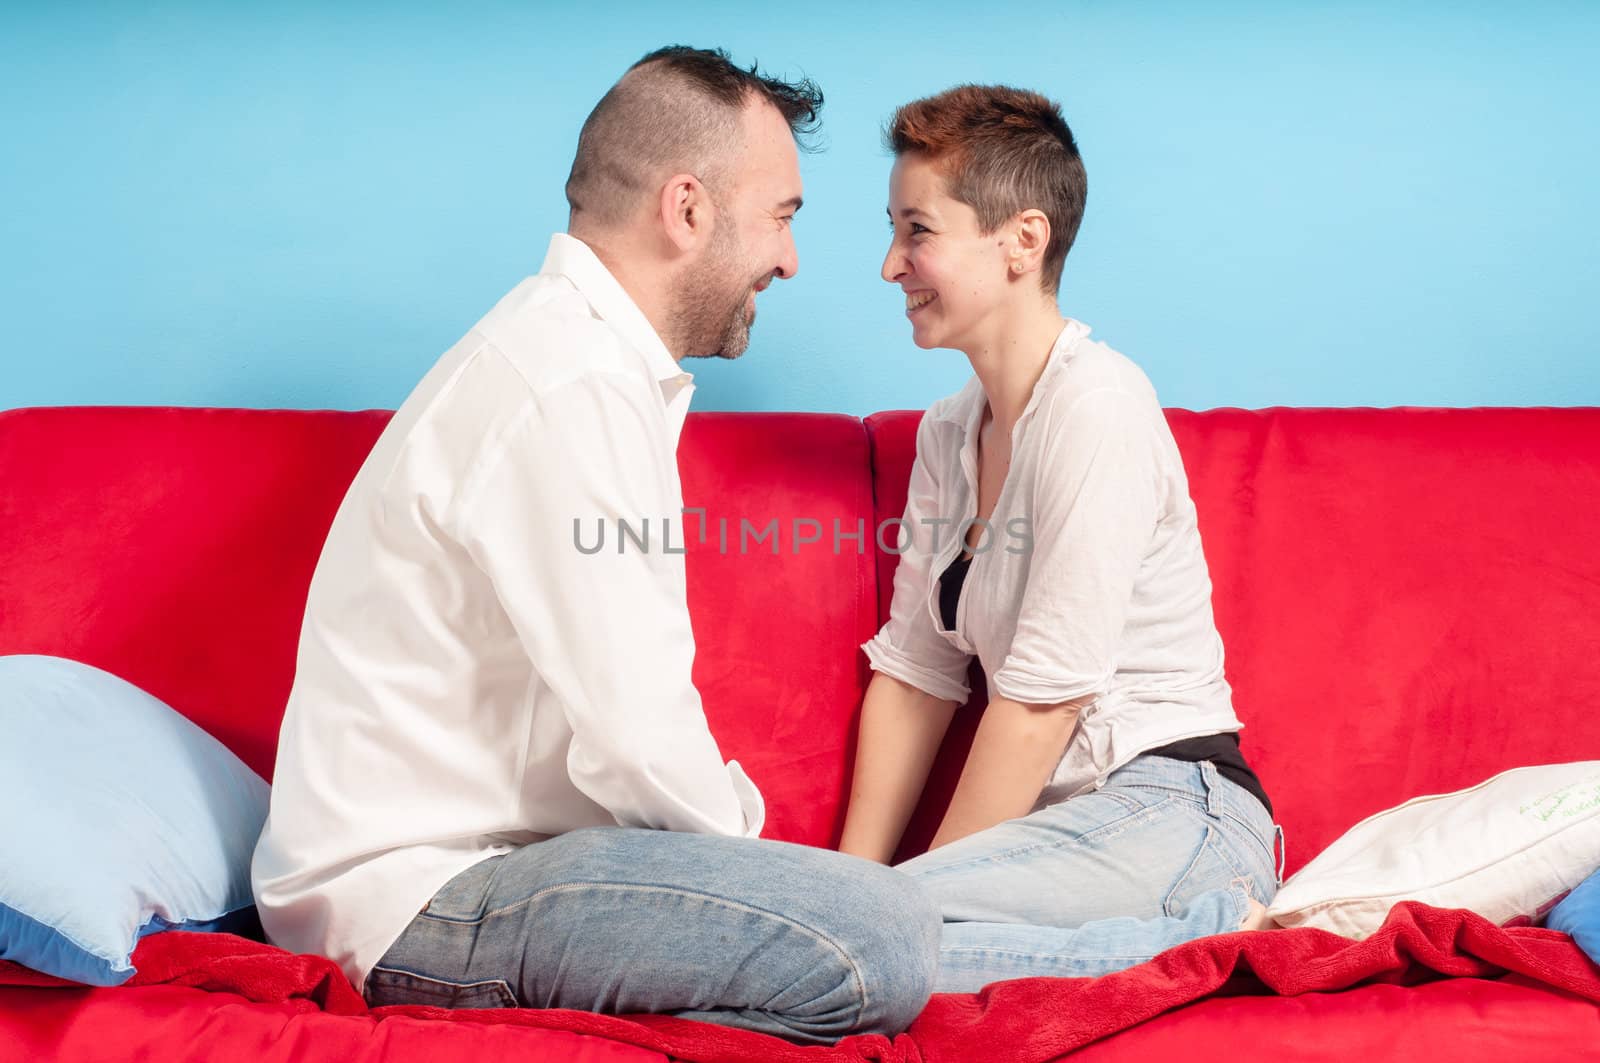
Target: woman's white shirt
(1090, 580)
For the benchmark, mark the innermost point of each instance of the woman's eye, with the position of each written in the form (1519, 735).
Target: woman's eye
(918, 228)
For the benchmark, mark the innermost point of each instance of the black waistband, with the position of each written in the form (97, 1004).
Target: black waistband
(1223, 751)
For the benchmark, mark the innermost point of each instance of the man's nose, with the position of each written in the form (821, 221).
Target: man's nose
(789, 264)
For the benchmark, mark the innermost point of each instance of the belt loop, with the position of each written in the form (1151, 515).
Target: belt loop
(1214, 799)
(1281, 848)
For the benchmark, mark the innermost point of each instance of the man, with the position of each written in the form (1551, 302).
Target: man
(495, 785)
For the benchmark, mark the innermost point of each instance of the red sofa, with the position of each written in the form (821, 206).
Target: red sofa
(1410, 601)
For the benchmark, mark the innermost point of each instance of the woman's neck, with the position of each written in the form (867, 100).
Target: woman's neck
(1009, 363)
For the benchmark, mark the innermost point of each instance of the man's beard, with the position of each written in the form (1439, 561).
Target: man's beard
(710, 316)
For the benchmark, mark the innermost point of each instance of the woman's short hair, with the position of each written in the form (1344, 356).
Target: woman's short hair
(1002, 151)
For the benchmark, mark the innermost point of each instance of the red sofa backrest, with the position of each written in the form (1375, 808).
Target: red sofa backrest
(1409, 599)
(777, 636)
(174, 548)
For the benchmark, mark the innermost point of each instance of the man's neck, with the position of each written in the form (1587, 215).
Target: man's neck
(646, 291)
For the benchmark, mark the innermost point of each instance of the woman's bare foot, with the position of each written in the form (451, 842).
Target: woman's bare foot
(1256, 918)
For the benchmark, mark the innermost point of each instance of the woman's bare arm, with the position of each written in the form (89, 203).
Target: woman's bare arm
(1013, 756)
(901, 728)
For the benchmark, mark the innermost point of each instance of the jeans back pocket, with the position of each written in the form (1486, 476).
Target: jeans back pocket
(386, 985)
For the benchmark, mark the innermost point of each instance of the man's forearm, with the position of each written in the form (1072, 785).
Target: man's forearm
(1013, 755)
(901, 728)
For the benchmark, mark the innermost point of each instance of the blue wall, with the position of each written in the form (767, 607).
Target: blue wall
(303, 205)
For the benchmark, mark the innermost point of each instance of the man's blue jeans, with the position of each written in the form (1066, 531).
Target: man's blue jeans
(811, 945)
(804, 943)
(1164, 853)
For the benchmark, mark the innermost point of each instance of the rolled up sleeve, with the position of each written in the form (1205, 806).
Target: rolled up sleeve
(1096, 503)
(908, 646)
(607, 631)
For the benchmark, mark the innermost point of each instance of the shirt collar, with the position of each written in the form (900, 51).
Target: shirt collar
(573, 259)
(1061, 353)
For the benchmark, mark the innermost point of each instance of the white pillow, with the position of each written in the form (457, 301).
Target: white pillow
(1505, 848)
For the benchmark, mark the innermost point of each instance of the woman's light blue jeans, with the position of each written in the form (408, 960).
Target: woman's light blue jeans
(804, 943)
(1164, 853)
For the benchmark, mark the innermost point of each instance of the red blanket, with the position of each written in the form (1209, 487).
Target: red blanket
(1036, 1019)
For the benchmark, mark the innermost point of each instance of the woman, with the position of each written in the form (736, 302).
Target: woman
(1105, 811)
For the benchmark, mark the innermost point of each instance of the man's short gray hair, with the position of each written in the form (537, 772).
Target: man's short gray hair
(677, 110)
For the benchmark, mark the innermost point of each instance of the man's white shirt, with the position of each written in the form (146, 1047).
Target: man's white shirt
(468, 680)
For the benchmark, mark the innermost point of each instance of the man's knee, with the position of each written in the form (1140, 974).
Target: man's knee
(893, 937)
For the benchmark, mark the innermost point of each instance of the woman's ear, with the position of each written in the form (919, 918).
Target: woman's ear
(685, 211)
(1032, 236)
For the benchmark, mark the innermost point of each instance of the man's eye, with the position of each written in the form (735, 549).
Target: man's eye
(918, 228)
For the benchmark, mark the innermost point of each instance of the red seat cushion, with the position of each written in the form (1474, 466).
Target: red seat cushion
(1464, 1020)
(175, 1022)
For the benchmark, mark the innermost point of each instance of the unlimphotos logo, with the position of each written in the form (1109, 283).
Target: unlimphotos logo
(895, 535)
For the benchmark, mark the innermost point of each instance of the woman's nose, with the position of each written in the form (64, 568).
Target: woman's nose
(894, 264)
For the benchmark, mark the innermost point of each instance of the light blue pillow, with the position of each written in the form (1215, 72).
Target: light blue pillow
(1578, 914)
(118, 818)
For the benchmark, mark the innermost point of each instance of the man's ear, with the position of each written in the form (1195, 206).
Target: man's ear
(686, 212)
(1032, 237)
